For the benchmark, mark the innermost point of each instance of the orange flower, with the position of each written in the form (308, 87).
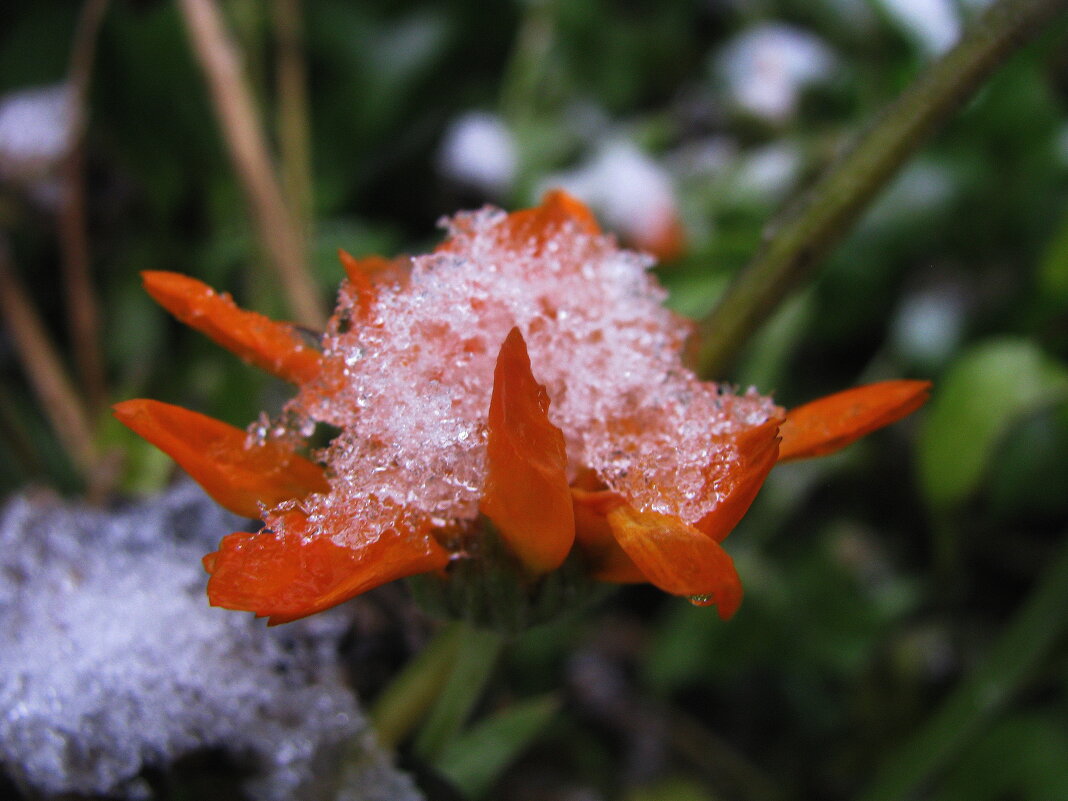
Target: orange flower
(522, 382)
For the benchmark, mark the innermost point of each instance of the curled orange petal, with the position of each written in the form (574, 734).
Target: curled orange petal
(829, 424)
(678, 558)
(526, 493)
(215, 455)
(289, 574)
(757, 450)
(606, 560)
(278, 348)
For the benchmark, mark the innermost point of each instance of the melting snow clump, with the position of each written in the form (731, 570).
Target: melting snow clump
(408, 381)
(112, 661)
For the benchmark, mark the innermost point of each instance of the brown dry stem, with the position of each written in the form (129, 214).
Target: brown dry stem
(232, 99)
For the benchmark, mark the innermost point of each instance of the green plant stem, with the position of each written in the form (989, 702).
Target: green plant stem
(803, 235)
(1037, 627)
(405, 702)
(476, 659)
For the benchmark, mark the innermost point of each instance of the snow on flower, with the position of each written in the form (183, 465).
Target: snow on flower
(524, 376)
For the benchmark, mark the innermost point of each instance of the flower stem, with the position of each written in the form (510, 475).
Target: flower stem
(293, 118)
(234, 106)
(803, 235)
(405, 701)
(60, 400)
(476, 659)
(1037, 627)
(73, 215)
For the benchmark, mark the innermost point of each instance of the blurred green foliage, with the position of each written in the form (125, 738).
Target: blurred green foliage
(876, 580)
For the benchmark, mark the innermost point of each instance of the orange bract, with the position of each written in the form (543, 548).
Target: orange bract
(678, 558)
(285, 575)
(526, 493)
(758, 449)
(238, 476)
(829, 424)
(277, 348)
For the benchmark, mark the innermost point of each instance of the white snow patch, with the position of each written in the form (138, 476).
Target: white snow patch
(112, 661)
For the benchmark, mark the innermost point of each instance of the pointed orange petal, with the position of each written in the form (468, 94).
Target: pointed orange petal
(277, 348)
(829, 424)
(534, 227)
(359, 279)
(678, 558)
(607, 561)
(526, 493)
(757, 451)
(364, 273)
(286, 575)
(557, 209)
(213, 453)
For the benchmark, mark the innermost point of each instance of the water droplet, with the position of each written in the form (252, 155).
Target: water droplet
(702, 600)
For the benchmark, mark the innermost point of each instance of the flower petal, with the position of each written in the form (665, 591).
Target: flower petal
(678, 558)
(758, 449)
(289, 574)
(526, 493)
(557, 209)
(364, 273)
(215, 455)
(278, 348)
(829, 424)
(534, 227)
(606, 560)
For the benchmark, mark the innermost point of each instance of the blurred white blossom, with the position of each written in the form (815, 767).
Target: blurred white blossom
(933, 24)
(765, 68)
(479, 151)
(36, 131)
(631, 192)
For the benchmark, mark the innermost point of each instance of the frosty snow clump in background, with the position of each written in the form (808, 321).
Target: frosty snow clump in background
(111, 661)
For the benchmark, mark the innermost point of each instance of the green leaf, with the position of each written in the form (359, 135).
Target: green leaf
(476, 658)
(1053, 271)
(988, 388)
(475, 760)
(1036, 770)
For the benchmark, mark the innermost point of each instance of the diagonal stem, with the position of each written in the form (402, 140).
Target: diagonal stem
(293, 114)
(73, 216)
(237, 115)
(806, 232)
(60, 401)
